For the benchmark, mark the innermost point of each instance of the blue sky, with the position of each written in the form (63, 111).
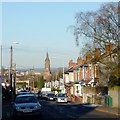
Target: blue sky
(40, 27)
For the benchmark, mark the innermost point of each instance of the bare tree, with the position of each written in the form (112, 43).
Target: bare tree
(100, 27)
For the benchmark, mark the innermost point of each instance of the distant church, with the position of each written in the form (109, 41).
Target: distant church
(47, 72)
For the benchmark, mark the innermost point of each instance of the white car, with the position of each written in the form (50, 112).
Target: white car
(26, 105)
(61, 97)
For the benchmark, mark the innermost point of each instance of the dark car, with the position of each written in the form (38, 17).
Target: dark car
(26, 105)
(24, 92)
(50, 96)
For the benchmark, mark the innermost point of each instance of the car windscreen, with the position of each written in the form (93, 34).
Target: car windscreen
(61, 95)
(23, 93)
(51, 95)
(26, 99)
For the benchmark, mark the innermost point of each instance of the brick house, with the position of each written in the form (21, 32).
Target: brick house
(88, 72)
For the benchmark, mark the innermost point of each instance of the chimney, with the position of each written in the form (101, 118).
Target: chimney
(97, 53)
(88, 57)
(83, 62)
(79, 60)
(108, 48)
(71, 64)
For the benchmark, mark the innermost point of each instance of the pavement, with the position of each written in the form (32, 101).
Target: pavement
(110, 110)
(6, 110)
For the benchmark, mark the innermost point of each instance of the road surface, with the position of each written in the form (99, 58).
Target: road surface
(65, 111)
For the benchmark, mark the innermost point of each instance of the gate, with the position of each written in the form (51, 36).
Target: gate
(108, 101)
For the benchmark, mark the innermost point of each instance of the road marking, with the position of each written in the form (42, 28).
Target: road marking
(107, 112)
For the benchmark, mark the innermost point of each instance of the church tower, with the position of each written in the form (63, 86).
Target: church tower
(47, 72)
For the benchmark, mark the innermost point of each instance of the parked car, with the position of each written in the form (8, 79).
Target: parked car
(24, 92)
(50, 96)
(38, 94)
(61, 97)
(26, 105)
(44, 92)
(44, 95)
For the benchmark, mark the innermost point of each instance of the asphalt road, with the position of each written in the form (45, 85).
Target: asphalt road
(66, 111)
(53, 110)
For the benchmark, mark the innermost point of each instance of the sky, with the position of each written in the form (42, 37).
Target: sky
(39, 27)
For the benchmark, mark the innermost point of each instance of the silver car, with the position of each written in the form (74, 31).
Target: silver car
(26, 105)
(61, 97)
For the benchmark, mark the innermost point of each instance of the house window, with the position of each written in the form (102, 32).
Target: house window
(83, 72)
(95, 71)
(77, 89)
(78, 76)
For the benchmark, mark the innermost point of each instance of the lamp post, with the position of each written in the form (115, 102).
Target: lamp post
(11, 91)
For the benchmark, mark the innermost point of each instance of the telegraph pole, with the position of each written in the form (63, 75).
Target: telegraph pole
(14, 92)
(11, 74)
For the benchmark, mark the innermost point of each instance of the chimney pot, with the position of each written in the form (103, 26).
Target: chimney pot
(108, 48)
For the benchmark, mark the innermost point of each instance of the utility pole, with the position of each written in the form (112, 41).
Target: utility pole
(63, 71)
(14, 92)
(37, 82)
(11, 74)
(33, 82)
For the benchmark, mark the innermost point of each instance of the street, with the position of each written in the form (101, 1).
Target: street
(53, 110)
(70, 111)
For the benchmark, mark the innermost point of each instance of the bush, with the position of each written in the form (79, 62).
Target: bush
(113, 81)
(54, 89)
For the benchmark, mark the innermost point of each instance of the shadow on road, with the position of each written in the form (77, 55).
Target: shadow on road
(59, 111)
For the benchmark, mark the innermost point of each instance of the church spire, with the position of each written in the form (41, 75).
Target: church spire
(47, 72)
(47, 57)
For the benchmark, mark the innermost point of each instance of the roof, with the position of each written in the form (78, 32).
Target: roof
(61, 93)
(69, 70)
(78, 66)
(96, 80)
(76, 83)
(87, 81)
(93, 60)
(69, 84)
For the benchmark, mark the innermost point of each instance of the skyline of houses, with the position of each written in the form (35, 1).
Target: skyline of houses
(88, 72)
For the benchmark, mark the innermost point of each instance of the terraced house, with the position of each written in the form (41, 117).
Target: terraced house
(89, 72)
